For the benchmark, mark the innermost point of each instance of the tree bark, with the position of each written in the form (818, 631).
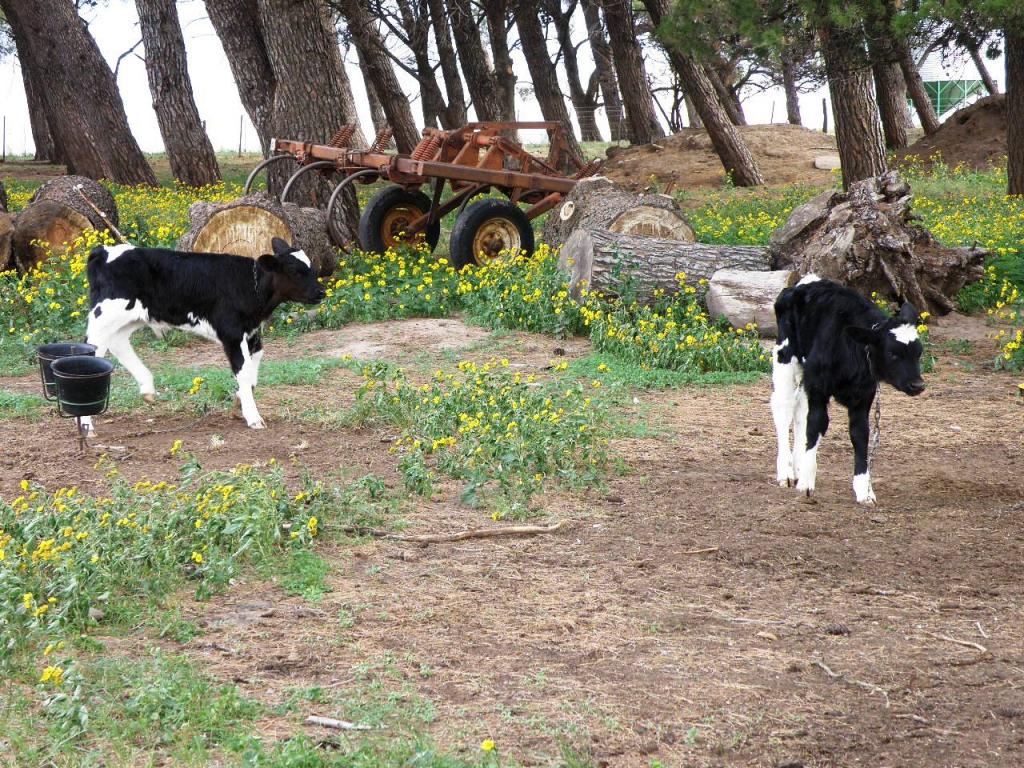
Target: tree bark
(979, 64)
(239, 28)
(858, 128)
(637, 98)
(480, 81)
(598, 260)
(584, 101)
(742, 297)
(542, 72)
(416, 23)
(790, 88)
(83, 106)
(497, 13)
(189, 151)
(728, 144)
(454, 115)
(41, 136)
(378, 69)
(1015, 109)
(891, 95)
(916, 90)
(377, 116)
(728, 99)
(605, 68)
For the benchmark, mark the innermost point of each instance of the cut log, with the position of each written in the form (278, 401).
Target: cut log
(4, 204)
(6, 242)
(63, 189)
(599, 203)
(46, 221)
(865, 238)
(246, 226)
(743, 297)
(635, 266)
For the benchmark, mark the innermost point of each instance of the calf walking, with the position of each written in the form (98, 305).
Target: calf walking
(835, 343)
(220, 297)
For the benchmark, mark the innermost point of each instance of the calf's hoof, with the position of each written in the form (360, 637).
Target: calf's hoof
(259, 424)
(149, 397)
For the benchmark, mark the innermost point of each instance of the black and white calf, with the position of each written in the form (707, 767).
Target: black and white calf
(220, 297)
(835, 343)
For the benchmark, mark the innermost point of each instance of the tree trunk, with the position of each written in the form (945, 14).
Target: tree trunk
(83, 106)
(744, 297)
(1015, 109)
(246, 226)
(41, 137)
(583, 101)
(728, 99)
(6, 242)
(605, 68)
(543, 74)
(979, 64)
(916, 90)
(692, 115)
(891, 95)
(238, 26)
(189, 151)
(629, 67)
(377, 67)
(377, 116)
(866, 238)
(69, 191)
(44, 229)
(598, 203)
(483, 88)
(454, 115)
(497, 12)
(598, 260)
(417, 37)
(790, 88)
(728, 144)
(858, 129)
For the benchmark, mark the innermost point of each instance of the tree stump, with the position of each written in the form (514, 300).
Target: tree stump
(865, 238)
(246, 226)
(50, 222)
(636, 266)
(6, 242)
(599, 203)
(63, 190)
(743, 297)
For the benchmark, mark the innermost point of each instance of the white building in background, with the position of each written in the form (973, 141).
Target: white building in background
(956, 83)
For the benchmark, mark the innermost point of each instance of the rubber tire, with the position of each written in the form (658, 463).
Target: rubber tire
(377, 208)
(460, 247)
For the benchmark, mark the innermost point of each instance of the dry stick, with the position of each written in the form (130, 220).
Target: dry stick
(471, 533)
(965, 643)
(698, 551)
(860, 683)
(338, 725)
(102, 215)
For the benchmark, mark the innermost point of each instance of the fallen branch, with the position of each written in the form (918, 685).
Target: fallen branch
(859, 683)
(698, 551)
(338, 725)
(470, 533)
(965, 643)
(102, 215)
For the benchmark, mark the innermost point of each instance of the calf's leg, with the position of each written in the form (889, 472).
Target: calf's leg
(786, 389)
(246, 371)
(859, 434)
(817, 425)
(120, 345)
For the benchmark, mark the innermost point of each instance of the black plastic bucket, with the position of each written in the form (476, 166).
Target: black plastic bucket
(47, 353)
(83, 384)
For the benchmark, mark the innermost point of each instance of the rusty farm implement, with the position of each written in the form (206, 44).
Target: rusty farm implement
(474, 160)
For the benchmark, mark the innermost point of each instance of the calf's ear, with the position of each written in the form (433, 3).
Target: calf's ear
(909, 314)
(280, 246)
(269, 262)
(862, 335)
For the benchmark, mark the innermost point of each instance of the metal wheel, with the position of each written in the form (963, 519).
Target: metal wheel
(255, 171)
(489, 230)
(387, 218)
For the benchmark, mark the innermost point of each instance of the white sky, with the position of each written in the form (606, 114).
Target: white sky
(115, 27)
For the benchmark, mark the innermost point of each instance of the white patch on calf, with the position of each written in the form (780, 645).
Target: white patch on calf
(200, 327)
(807, 466)
(905, 333)
(862, 489)
(246, 378)
(116, 251)
(809, 278)
(301, 256)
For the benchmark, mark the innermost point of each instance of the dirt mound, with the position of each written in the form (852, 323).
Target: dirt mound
(785, 153)
(974, 136)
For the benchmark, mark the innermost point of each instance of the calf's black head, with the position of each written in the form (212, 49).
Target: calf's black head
(895, 350)
(292, 276)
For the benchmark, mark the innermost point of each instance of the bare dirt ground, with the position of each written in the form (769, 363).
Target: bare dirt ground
(692, 613)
